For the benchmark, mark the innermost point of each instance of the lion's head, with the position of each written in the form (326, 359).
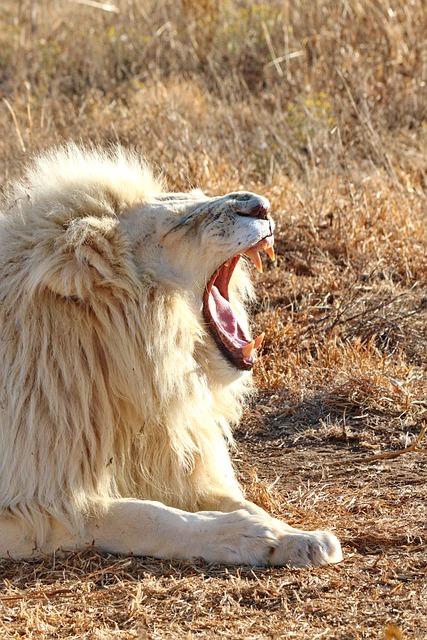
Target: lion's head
(196, 242)
(114, 216)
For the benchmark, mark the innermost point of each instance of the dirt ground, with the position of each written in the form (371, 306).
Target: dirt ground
(379, 591)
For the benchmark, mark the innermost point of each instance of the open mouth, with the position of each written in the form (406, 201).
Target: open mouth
(231, 338)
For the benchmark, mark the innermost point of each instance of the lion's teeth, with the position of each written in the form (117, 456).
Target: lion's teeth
(255, 257)
(258, 341)
(248, 348)
(270, 251)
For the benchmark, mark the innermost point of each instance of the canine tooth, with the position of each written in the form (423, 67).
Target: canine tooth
(258, 341)
(270, 251)
(248, 348)
(254, 256)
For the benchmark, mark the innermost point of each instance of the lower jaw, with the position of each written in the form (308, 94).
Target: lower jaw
(235, 359)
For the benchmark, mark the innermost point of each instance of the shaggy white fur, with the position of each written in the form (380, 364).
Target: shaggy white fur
(122, 376)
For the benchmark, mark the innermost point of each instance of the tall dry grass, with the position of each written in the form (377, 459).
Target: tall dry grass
(294, 88)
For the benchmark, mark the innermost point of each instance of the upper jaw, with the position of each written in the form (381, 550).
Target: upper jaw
(265, 244)
(259, 237)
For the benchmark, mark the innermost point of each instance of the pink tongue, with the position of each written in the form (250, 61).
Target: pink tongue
(223, 315)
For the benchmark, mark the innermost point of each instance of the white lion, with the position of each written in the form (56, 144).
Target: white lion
(125, 359)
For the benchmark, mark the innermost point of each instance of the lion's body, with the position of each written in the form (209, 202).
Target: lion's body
(113, 392)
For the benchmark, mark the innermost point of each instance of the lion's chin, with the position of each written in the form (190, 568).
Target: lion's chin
(223, 323)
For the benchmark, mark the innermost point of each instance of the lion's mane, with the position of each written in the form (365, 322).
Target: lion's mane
(110, 385)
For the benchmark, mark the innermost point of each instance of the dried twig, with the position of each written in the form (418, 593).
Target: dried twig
(99, 5)
(390, 455)
(15, 122)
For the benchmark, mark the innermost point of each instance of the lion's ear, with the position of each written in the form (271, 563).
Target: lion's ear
(83, 257)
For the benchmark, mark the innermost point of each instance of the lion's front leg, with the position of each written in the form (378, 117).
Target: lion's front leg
(295, 547)
(141, 527)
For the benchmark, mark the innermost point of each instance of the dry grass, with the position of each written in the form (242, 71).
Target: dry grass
(322, 107)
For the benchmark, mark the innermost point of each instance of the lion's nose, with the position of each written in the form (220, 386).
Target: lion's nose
(250, 204)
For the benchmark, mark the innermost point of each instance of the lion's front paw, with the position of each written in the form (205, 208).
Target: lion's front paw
(239, 538)
(302, 548)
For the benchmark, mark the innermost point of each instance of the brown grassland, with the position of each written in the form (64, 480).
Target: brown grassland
(320, 105)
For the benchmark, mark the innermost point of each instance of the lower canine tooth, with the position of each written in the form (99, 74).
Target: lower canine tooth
(248, 348)
(258, 341)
